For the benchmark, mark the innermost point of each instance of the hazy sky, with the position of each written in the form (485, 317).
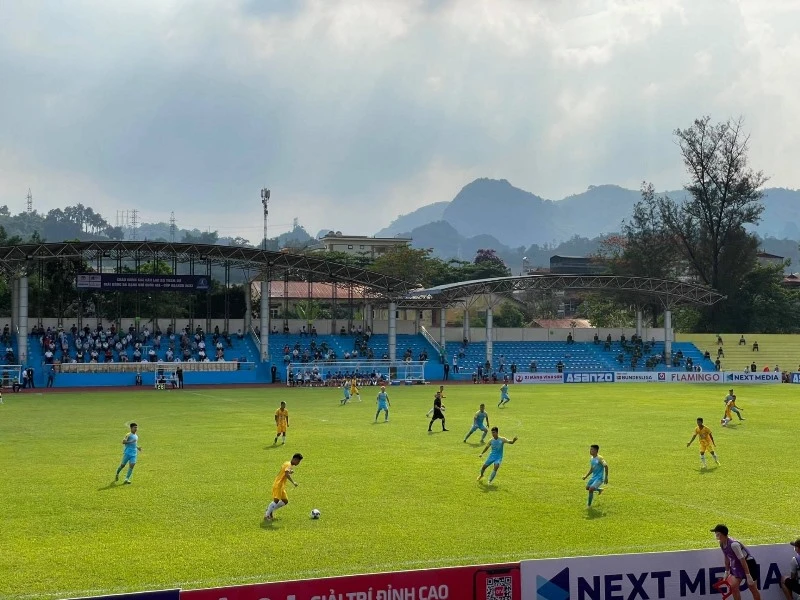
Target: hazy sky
(355, 111)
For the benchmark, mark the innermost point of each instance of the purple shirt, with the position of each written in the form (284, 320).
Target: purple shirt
(736, 565)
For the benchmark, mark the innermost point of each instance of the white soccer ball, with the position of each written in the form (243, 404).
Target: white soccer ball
(315, 514)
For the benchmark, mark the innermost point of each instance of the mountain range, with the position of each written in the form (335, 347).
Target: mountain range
(493, 213)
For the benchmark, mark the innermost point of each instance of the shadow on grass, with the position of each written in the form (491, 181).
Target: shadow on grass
(594, 513)
(268, 525)
(274, 446)
(708, 471)
(485, 487)
(111, 486)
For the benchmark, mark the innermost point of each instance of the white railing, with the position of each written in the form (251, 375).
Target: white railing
(141, 367)
(427, 335)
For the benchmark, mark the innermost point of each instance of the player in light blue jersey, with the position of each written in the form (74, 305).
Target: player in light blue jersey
(130, 443)
(497, 444)
(383, 404)
(504, 397)
(598, 470)
(477, 423)
(346, 389)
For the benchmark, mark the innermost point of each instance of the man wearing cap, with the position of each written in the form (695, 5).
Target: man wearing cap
(739, 563)
(790, 584)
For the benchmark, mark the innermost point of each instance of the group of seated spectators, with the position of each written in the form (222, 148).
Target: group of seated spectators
(314, 377)
(109, 345)
(322, 352)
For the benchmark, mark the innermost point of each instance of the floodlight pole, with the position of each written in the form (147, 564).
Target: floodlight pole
(265, 193)
(265, 284)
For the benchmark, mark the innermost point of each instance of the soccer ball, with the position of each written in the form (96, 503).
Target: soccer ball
(723, 422)
(315, 514)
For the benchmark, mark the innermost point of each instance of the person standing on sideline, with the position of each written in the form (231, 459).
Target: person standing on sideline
(495, 458)
(279, 496)
(438, 411)
(281, 423)
(131, 444)
(706, 441)
(598, 469)
(383, 404)
(504, 398)
(790, 584)
(739, 563)
(51, 376)
(446, 369)
(455, 363)
(477, 423)
(179, 375)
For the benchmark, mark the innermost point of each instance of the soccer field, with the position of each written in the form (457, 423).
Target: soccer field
(392, 496)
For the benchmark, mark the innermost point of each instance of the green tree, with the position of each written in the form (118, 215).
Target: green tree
(509, 316)
(409, 264)
(605, 311)
(724, 195)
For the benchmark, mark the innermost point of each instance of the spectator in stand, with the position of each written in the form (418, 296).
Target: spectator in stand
(755, 347)
(766, 369)
(720, 353)
(719, 340)
(455, 363)
(777, 369)
(533, 366)
(717, 365)
(313, 331)
(753, 367)
(742, 341)
(569, 339)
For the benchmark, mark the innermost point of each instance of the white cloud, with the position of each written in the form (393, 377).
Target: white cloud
(374, 107)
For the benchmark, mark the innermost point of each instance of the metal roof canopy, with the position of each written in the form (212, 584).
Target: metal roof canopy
(19, 258)
(669, 292)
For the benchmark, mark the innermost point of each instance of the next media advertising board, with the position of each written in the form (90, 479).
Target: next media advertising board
(650, 576)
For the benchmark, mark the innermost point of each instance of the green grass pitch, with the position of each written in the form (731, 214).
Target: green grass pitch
(392, 495)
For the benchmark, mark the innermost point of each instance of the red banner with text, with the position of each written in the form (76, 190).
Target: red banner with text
(490, 582)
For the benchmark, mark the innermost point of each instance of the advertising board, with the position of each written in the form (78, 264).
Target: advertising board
(590, 377)
(137, 281)
(487, 582)
(664, 575)
(538, 378)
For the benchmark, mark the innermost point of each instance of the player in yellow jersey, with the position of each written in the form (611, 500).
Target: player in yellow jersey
(354, 389)
(281, 423)
(706, 440)
(730, 408)
(279, 497)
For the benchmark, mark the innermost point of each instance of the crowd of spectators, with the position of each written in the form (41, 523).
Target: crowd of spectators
(313, 376)
(108, 345)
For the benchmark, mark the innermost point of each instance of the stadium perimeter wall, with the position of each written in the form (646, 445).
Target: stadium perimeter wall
(691, 574)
